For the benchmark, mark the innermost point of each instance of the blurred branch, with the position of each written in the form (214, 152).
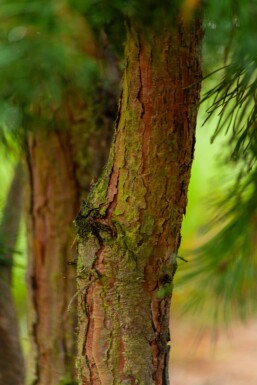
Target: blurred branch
(12, 367)
(11, 216)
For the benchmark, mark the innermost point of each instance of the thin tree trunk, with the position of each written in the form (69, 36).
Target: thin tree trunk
(129, 228)
(53, 203)
(12, 371)
(61, 165)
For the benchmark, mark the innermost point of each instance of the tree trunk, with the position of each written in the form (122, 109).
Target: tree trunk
(53, 203)
(61, 165)
(129, 228)
(12, 371)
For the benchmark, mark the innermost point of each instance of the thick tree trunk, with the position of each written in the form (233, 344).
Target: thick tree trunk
(130, 226)
(12, 371)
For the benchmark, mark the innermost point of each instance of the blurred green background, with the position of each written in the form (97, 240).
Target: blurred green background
(204, 177)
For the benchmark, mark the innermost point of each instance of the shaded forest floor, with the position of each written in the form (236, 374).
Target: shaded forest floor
(200, 358)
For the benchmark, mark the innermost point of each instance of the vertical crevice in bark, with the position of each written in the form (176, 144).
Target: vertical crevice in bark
(12, 370)
(129, 228)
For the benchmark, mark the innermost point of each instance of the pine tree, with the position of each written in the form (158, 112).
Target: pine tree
(129, 227)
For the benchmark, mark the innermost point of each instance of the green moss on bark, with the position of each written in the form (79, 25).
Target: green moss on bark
(130, 225)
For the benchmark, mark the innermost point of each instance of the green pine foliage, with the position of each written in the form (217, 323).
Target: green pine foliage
(223, 271)
(41, 61)
(115, 16)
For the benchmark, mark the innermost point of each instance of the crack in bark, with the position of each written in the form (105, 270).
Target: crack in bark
(140, 90)
(88, 338)
(108, 354)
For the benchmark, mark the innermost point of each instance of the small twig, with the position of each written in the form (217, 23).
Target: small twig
(182, 259)
(77, 293)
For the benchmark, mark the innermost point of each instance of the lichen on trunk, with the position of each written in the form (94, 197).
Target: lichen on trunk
(129, 228)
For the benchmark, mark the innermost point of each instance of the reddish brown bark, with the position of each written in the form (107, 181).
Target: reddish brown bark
(53, 204)
(130, 227)
(63, 160)
(61, 166)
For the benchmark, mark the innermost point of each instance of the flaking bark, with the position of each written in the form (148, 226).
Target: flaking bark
(129, 228)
